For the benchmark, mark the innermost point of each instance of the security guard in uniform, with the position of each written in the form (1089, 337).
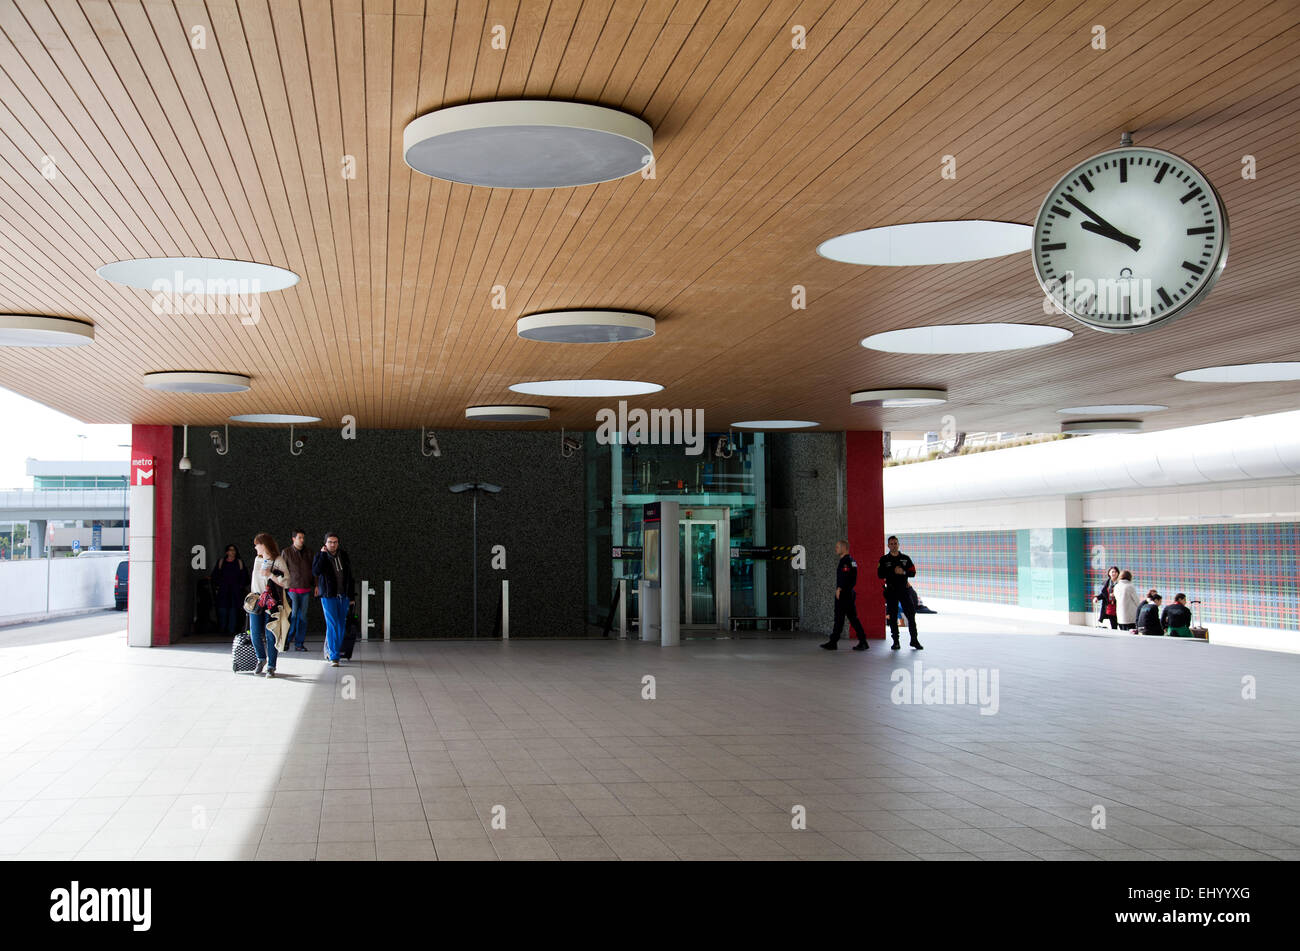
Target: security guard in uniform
(894, 569)
(846, 576)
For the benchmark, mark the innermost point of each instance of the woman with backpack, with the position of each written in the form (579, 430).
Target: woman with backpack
(269, 575)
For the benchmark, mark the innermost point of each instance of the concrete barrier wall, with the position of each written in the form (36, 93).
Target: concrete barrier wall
(22, 587)
(29, 588)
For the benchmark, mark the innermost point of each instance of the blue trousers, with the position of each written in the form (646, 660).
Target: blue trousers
(263, 643)
(298, 602)
(336, 618)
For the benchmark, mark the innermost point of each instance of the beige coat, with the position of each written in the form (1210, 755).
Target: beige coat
(1126, 603)
(278, 624)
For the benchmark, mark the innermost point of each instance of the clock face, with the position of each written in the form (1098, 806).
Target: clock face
(1129, 239)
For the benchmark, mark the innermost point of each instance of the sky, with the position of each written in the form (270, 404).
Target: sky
(28, 428)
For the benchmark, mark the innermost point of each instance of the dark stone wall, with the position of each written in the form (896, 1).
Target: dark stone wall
(809, 510)
(398, 521)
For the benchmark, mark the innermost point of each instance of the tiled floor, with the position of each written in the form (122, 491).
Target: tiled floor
(408, 753)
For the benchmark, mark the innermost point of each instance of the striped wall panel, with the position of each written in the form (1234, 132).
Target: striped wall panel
(967, 566)
(1244, 574)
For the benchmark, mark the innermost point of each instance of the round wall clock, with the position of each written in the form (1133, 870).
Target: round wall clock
(1130, 239)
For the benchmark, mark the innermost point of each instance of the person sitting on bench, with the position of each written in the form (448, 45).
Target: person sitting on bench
(1148, 620)
(1176, 619)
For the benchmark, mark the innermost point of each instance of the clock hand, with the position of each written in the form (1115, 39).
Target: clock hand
(1103, 227)
(1092, 214)
(1112, 233)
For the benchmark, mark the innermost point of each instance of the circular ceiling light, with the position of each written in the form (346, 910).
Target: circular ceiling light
(1108, 408)
(586, 388)
(1093, 427)
(507, 414)
(197, 382)
(29, 330)
(204, 277)
(586, 326)
(1243, 373)
(929, 242)
(774, 424)
(527, 143)
(273, 418)
(966, 338)
(900, 398)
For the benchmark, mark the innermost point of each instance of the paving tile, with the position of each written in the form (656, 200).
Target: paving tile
(412, 775)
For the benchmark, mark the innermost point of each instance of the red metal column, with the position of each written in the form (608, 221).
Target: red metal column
(156, 442)
(865, 498)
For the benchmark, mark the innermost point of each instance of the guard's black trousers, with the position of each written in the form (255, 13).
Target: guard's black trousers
(846, 606)
(893, 599)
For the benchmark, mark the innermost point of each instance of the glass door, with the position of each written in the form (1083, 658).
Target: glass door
(699, 573)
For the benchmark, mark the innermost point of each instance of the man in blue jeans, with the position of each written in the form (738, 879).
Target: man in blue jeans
(333, 572)
(298, 589)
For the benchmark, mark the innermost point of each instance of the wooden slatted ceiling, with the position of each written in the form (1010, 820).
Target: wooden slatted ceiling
(762, 152)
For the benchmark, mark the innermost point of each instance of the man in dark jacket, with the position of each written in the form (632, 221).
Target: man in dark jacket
(333, 572)
(894, 569)
(846, 577)
(1148, 619)
(1177, 618)
(231, 582)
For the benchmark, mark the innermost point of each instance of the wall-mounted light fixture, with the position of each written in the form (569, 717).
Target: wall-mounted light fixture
(221, 443)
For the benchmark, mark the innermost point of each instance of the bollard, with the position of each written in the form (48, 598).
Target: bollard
(388, 610)
(505, 610)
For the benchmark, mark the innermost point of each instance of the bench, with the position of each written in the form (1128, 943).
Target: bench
(769, 618)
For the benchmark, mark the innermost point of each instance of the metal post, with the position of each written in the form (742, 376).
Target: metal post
(388, 610)
(505, 610)
(474, 560)
(367, 622)
(622, 609)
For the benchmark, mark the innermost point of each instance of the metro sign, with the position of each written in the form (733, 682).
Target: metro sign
(142, 471)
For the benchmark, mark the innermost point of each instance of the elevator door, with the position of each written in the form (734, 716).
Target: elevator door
(699, 572)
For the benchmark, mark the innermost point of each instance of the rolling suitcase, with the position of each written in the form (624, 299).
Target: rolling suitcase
(242, 655)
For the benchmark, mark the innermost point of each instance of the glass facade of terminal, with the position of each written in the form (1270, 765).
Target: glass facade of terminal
(723, 493)
(56, 482)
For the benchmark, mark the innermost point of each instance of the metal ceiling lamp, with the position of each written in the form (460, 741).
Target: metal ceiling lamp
(474, 488)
